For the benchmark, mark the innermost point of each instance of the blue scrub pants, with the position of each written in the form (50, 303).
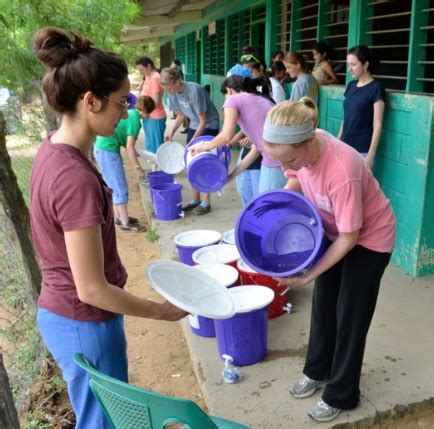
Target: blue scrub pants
(103, 343)
(271, 178)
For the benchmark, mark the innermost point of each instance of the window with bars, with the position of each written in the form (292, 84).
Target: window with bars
(388, 29)
(190, 62)
(335, 32)
(427, 43)
(284, 25)
(214, 49)
(239, 28)
(180, 49)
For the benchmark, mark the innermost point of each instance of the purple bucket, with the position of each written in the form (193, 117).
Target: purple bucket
(244, 336)
(159, 178)
(208, 171)
(202, 326)
(188, 242)
(227, 276)
(167, 200)
(280, 233)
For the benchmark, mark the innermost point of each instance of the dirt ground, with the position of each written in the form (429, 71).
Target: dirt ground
(159, 359)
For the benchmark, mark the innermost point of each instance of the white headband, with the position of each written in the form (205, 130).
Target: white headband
(287, 134)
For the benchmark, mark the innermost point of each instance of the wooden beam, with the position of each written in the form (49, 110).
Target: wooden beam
(148, 34)
(141, 41)
(177, 8)
(179, 18)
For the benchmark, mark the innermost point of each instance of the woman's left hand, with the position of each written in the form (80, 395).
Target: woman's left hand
(302, 280)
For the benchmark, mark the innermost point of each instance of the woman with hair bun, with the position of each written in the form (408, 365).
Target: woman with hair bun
(82, 298)
(363, 105)
(247, 103)
(359, 226)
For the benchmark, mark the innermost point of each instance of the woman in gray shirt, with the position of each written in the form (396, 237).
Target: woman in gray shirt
(190, 100)
(305, 85)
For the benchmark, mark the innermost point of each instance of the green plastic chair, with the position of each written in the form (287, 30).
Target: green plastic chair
(130, 407)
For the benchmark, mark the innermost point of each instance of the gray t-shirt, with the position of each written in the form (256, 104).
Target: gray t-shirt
(192, 101)
(305, 85)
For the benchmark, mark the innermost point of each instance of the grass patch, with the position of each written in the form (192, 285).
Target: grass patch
(152, 235)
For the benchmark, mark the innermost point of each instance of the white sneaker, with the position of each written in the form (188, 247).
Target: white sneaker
(305, 387)
(322, 412)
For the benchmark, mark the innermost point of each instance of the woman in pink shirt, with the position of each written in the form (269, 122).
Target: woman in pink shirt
(155, 125)
(360, 229)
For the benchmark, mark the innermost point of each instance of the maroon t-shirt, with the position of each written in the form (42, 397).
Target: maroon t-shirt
(68, 193)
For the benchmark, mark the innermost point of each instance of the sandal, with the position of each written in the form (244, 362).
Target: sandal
(130, 220)
(132, 227)
(191, 205)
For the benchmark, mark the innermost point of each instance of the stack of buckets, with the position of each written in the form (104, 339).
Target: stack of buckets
(165, 195)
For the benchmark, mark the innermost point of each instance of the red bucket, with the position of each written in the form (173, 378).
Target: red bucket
(248, 276)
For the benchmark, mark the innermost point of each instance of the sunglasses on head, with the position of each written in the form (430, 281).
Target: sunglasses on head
(249, 57)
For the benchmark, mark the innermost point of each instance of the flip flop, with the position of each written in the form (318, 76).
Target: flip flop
(130, 220)
(132, 227)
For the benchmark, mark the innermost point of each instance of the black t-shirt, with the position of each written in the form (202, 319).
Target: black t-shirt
(256, 164)
(359, 113)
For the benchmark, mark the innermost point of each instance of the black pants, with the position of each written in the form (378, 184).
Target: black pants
(343, 304)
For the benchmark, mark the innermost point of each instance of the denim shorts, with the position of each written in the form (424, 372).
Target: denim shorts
(113, 173)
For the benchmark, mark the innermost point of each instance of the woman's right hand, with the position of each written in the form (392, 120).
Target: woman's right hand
(170, 312)
(169, 136)
(197, 148)
(245, 142)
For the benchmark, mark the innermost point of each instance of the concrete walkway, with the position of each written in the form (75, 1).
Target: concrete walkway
(398, 368)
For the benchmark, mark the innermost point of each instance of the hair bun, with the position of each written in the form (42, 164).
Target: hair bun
(54, 46)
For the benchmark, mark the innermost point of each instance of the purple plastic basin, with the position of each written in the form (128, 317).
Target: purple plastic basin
(280, 233)
(208, 172)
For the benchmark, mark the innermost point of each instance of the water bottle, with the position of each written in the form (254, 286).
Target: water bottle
(230, 374)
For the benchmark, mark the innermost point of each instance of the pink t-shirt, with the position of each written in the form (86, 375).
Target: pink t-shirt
(151, 85)
(347, 195)
(68, 193)
(252, 111)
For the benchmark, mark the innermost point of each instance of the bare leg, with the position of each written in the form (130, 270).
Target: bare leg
(122, 213)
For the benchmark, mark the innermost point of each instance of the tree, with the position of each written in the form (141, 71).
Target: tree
(100, 21)
(8, 413)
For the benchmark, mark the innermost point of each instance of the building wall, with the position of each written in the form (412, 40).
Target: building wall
(403, 166)
(405, 160)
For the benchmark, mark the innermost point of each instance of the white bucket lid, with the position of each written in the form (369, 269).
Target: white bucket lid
(251, 297)
(197, 238)
(229, 236)
(225, 274)
(191, 290)
(216, 254)
(147, 156)
(242, 266)
(170, 157)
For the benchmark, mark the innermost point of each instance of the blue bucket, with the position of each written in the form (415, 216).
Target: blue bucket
(207, 171)
(167, 200)
(244, 336)
(280, 233)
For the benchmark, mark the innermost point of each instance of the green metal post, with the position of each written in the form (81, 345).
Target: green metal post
(416, 52)
(294, 44)
(228, 32)
(324, 6)
(271, 27)
(359, 25)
